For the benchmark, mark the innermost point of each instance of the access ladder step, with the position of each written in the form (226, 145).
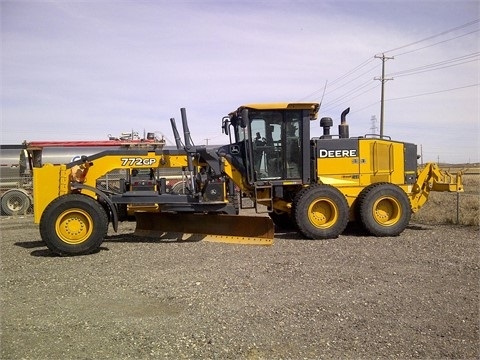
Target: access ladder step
(263, 199)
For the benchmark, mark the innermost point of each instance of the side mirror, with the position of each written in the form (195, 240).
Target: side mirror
(225, 125)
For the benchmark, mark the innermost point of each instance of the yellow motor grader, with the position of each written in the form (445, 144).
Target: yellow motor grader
(314, 185)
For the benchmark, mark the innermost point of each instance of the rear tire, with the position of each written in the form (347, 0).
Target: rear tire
(74, 224)
(320, 212)
(384, 209)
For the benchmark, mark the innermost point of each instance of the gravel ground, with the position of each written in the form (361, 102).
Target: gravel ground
(355, 297)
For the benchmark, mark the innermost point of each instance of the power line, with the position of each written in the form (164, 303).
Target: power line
(330, 107)
(334, 103)
(437, 68)
(439, 65)
(362, 65)
(340, 78)
(434, 36)
(330, 104)
(433, 92)
(351, 92)
(439, 42)
(416, 95)
(327, 105)
(358, 77)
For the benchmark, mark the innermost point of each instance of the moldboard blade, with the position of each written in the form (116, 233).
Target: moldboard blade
(234, 229)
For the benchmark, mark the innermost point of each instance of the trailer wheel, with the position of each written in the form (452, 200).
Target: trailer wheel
(320, 212)
(73, 224)
(15, 201)
(384, 209)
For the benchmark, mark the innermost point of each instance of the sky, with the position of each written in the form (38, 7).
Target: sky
(81, 70)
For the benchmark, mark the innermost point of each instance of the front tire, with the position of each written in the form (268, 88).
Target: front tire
(384, 209)
(320, 212)
(73, 224)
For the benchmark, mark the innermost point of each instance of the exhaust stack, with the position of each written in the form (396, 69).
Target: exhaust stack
(343, 131)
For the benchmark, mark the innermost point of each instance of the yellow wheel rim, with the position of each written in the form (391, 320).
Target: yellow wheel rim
(74, 226)
(323, 213)
(387, 211)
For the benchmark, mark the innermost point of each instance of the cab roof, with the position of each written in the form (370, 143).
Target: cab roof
(313, 107)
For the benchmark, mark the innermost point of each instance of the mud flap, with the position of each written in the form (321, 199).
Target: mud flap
(235, 229)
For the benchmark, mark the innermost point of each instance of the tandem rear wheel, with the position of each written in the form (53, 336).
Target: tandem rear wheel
(320, 212)
(74, 224)
(383, 209)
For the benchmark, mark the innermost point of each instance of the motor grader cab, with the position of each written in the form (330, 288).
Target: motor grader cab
(317, 185)
(271, 143)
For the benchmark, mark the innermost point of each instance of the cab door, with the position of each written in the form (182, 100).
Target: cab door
(277, 150)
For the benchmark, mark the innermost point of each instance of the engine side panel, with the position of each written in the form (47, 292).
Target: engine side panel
(363, 161)
(337, 161)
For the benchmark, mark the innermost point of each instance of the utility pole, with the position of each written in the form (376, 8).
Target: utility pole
(206, 141)
(382, 79)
